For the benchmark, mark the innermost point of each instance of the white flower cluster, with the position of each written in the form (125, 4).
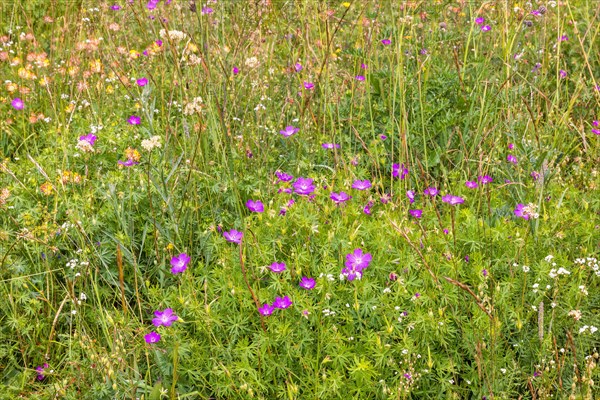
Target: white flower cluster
(584, 328)
(329, 277)
(590, 262)
(152, 143)
(173, 35)
(561, 271)
(327, 312)
(194, 106)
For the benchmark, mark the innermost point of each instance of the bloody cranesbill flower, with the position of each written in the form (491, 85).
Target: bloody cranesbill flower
(152, 337)
(289, 131)
(115, 7)
(266, 309)
(330, 146)
(471, 184)
(255, 206)
(452, 200)
(41, 369)
(298, 67)
(399, 171)
(340, 197)
(233, 236)
(236, 70)
(358, 260)
(562, 73)
(283, 177)
(303, 186)
(207, 10)
(385, 42)
(382, 137)
(307, 283)
(361, 185)
(142, 81)
(411, 196)
(17, 103)
(479, 20)
(430, 191)
(485, 179)
(520, 211)
(164, 318)
(416, 213)
(86, 142)
(134, 120)
(127, 163)
(277, 267)
(512, 159)
(282, 302)
(179, 263)
(367, 208)
(308, 85)
(152, 4)
(360, 78)
(486, 28)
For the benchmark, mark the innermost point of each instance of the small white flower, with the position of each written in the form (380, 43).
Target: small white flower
(503, 370)
(593, 329)
(525, 268)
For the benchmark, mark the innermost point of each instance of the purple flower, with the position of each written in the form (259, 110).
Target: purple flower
(330, 146)
(115, 7)
(283, 177)
(340, 197)
(430, 191)
(417, 295)
(562, 73)
(520, 211)
(596, 131)
(152, 337)
(308, 85)
(386, 42)
(307, 283)
(41, 369)
(484, 273)
(277, 267)
(411, 196)
(485, 179)
(452, 200)
(399, 170)
(536, 13)
(303, 186)
(282, 302)
(535, 175)
(479, 20)
(17, 103)
(134, 120)
(416, 213)
(382, 137)
(486, 28)
(164, 318)
(207, 10)
(564, 38)
(359, 78)
(408, 376)
(511, 146)
(471, 184)
(266, 309)
(363, 66)
(90, 139)
(159, 43)
(367, 208)
(357, 260)
(298, 67)
(361, 185)
(179, 263)
(127, 163)
(236, 70)
(255, 206)
(152, 4)
(511, 158)
(142, 81)
(233, 236)
(289, 131)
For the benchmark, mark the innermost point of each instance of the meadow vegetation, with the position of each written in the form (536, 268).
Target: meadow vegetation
(276, 199)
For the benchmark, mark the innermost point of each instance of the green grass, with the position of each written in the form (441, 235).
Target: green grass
(467, 301)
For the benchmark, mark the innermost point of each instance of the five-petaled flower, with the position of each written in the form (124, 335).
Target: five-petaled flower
(134, 120)
(521, 212)
(430, 191)
(307, 283)
(471, 184)
(452, 200)
(142, 81)
(304, 186)
(277, 267)
(179, 263)
(416, 213)
(386, 42)
(233, 236)
(485, 179)
(399, 170)
(164, 318)
(309, 85)
(152, 337)
(255, 206)
(289, 131)
(340, 197)
(282, 302)
(17, 103)
(361, 185)
(266, 309)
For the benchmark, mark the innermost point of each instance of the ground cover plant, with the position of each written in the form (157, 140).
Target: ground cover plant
(297, 199)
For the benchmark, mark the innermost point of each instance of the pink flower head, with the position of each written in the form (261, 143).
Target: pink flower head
(164, 318)
(152, 4)
(486, 28)
(562, 73)
(430, 191)
(115, 7)
(520, 211)
(152, 337)
(386, 42)
(134, 120)
(452, 200)
(282, 302)
(361, 185)
(485, 179)
(368, 208)
(307, 283)
(298, 67)
(89, 139)
(471, 184)
(17, 103)
(357, 260)
(179, 263)
(304, 186)
(416, 213)
(330, 146)
(255, 206)
(207, 10)
(236, 70)
(479, 20)
(233, 236)
(277, 267)
(266, 309)
(283, 177)
(142, 81)
(340, 197)
(128, 163)
(512, 159)
(308, 85)
(289, 131)
(411, 196)
(399, 171)
(360, 78)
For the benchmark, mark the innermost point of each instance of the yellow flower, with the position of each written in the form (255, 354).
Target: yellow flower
(47, 188)
(346, 4)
